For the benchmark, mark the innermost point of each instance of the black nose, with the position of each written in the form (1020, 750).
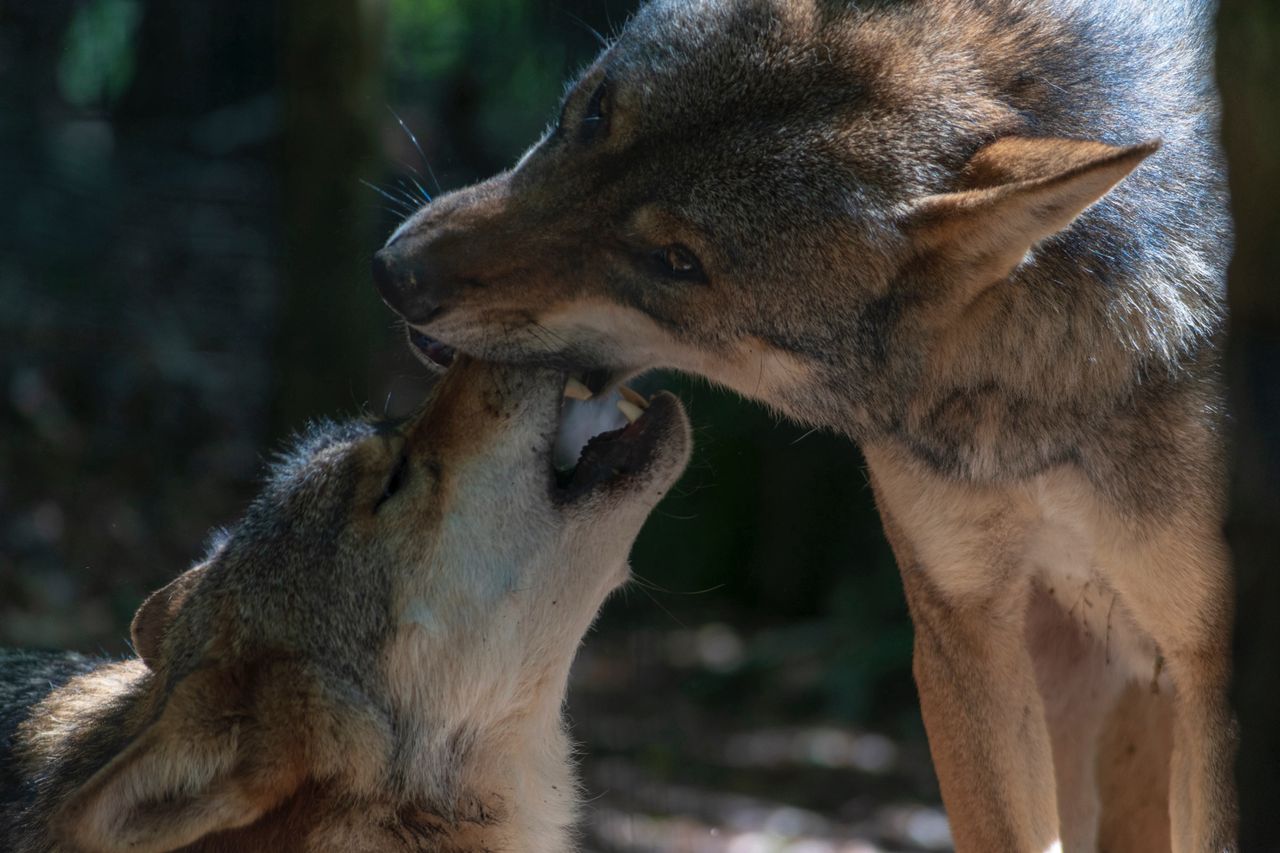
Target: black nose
(401, 284)
(384, 276)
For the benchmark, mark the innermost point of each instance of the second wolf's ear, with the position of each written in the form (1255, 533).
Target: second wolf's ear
(1017, 192)
(206, 764)
(152, 621)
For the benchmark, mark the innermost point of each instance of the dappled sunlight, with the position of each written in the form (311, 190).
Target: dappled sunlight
(691, 743)
(714, 646)
(636, 812)
(822, 746)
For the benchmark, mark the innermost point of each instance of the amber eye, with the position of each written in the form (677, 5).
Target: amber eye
(679, 262)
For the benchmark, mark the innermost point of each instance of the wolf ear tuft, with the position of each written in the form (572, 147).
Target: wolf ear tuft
(203, 766)
(1016, 192)
(151, 622)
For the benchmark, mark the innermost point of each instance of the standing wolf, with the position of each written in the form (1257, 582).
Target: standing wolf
(987, 241)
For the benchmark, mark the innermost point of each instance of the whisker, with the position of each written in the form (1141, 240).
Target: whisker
(661, 607)
(408, 194)
(806, 435)
(388, 196)
(608, 18)
(643, 581)
(604, 42)
(426, 196)
(537, 332)
(564, 344)
(675, 517)
(531, 329)
(421, 153)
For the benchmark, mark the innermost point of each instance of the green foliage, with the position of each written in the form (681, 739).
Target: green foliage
(97, 62)
(497, 52)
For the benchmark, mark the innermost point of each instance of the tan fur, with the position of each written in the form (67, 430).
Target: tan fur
(1118, 615)
(359, 667)
(1133, 771)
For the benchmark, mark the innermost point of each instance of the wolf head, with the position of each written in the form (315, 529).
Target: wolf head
(838, 207)
(394, 618)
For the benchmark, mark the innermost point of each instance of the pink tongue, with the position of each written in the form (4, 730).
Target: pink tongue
(580, 420)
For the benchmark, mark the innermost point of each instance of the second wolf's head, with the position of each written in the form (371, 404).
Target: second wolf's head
(381, 646)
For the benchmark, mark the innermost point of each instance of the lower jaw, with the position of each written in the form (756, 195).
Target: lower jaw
(622, 457)
(429, 349)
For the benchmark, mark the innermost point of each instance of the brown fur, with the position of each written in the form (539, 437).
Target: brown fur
(987, 241)
(373, 660)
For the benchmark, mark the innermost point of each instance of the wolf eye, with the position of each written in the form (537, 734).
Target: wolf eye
(679, 262)
(398, 475)
(595, 118)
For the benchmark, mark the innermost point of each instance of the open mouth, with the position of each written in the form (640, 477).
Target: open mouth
(607, 436)
(606, 433)
(429, 349)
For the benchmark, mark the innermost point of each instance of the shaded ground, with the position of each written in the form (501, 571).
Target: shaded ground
(668, 769)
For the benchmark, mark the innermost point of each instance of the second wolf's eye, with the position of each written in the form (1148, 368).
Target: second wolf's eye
(678, 261)
(398, 475)
(595, 119)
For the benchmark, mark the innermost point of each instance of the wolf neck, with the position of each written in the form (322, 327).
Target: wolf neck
(510, 789)
(1011, 388)
(491, 762)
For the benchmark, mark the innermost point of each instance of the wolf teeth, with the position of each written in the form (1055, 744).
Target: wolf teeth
(633, 397)
(575, 390)
(630, 410)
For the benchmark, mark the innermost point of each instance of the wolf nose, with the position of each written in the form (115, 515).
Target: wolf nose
(384, 276)
(402, 285)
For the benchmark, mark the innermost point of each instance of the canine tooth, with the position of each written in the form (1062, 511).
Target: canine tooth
(575, 390)
(633, 396)
(630, 410)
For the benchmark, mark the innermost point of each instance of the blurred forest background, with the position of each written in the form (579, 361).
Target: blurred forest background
(186, 221)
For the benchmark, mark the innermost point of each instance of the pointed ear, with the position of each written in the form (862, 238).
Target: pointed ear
(1018, 191)
(203, 766)
(151, 622)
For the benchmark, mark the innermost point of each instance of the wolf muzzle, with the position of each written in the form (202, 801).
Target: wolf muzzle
(406, 283)
(461, 242)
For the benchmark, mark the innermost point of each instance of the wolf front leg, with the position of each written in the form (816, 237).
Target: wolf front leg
(1079, 688)
(1176, 581)
(959, 554)
(984, 718)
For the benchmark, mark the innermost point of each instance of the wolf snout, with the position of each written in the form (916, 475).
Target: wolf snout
(406, 284)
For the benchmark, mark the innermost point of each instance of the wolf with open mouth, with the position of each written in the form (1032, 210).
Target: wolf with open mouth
(374, 659)
(988, 242)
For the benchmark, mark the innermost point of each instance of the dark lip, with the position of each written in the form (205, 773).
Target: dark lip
(598, 379)
(613, 459)
(430, 349)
